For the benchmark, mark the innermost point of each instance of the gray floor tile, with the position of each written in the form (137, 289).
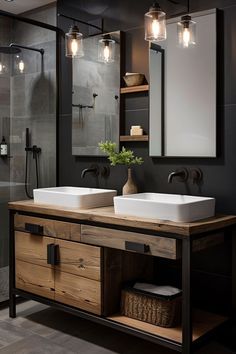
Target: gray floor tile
(10, 334)
(35, 345)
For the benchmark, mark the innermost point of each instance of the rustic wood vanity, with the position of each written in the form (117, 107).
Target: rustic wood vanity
(78, 260)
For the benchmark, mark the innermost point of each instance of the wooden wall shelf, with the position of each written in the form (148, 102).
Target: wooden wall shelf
(134, 138)
(132, 89)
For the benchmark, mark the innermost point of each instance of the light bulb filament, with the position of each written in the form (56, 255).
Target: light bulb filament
(21, 66)
(155, 28)
(106, 53)
(186, 37)
(74, 47)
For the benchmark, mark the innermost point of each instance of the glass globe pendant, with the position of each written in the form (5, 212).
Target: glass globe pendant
(186, 30)
(106, 49)
(74, 43)
(155, 24)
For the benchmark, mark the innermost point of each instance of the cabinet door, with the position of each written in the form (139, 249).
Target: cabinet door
(35, 279)
(78, 291)
(32, 248)
(33, 274)
(79, 259)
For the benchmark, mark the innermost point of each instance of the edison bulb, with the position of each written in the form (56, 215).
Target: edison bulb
(1, 68)
(21, 66)
(74, 47)
(155, 28)
(186, 37)
(106, 53)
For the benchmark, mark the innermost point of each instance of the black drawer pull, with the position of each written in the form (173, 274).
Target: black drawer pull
(34, 228)
(52, 254)
(137, 247)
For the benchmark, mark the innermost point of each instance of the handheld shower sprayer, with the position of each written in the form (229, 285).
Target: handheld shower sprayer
(35, 150)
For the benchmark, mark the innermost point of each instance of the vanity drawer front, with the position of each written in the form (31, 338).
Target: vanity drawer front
(47, 227)
(131, 241)
(79, 259)
(35, 279)
(31, 248)
(79, 292)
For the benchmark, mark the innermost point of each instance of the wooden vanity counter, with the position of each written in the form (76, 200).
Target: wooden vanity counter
(106, 215)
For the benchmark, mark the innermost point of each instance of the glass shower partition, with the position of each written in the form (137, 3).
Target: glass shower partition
(28, 99)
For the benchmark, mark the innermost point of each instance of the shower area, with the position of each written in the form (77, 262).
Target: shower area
(28, 118)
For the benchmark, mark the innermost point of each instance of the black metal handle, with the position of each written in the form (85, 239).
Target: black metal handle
(52, 254)
(34, 228)
(137, 247)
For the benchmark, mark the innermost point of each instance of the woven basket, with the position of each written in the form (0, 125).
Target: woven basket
(152, 309)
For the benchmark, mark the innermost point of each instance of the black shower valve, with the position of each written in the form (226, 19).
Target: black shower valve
(34, 149)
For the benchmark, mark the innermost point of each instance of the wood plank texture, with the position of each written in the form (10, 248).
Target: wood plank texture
(134, 138)
(107, 215)
(159, 246)
(203, 322)
(78, 259)
(35, 279)
(79, 292)
(132, 89)
(53, 228)
(32, 249)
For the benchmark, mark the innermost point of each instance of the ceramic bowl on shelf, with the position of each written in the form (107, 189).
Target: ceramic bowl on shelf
(134, 79)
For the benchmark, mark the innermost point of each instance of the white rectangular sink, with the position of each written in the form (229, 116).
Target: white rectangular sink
(75, 197)
(172, 207)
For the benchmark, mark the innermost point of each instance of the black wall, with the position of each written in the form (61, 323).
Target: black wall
(219, 173)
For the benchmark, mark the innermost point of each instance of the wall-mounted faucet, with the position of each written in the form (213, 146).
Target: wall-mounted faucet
(181, 174)
(93, 169)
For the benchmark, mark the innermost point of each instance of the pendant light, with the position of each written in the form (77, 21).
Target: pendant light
(74, 43)
(186, 30)
(155, 24)
(106, 49)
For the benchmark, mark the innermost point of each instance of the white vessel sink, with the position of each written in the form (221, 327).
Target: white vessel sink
(75, 197)
(172, 207)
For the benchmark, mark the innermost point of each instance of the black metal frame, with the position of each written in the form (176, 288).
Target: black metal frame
(187, 346)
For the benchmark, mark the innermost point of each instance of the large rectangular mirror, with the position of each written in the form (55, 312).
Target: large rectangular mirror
(96, 93)
(183, 118)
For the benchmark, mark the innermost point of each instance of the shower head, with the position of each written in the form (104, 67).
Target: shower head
(10, 50)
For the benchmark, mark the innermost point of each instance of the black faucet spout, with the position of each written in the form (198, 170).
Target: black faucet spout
(182, 175)
(94, 170)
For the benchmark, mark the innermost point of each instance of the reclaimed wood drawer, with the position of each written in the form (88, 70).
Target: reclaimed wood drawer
(47, 227)
(131, 241)
(79, 259)
(35, 279)
(31, 248)
(79, 292)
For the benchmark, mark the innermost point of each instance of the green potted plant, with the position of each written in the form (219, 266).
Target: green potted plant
(124, 157)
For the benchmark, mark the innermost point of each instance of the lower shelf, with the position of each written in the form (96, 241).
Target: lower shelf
(203, 322)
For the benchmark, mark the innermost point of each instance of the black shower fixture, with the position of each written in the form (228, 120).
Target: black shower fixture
(19, 47)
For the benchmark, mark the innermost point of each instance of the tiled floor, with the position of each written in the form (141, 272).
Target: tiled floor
(42, 330)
